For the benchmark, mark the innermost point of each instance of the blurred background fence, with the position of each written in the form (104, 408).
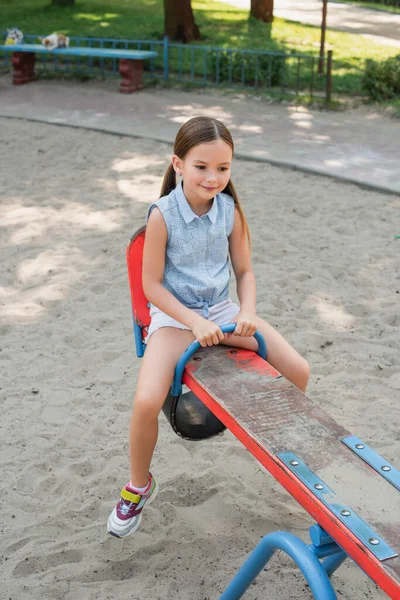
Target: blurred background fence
(290, 73)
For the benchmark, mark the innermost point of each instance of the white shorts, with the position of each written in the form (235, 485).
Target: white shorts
(220, 313)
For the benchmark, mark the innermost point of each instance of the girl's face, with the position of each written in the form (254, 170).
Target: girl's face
(206, 170)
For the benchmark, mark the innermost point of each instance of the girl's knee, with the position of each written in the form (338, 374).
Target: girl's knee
(303, 374)
(147, 406)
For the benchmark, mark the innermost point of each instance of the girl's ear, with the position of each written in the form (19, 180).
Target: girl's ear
(177, 164)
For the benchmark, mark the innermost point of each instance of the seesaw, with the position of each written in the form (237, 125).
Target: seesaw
(348, 489)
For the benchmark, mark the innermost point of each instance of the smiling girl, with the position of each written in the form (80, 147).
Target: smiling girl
(194, 232)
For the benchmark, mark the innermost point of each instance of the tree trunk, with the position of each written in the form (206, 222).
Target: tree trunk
(179, 21)
(322, 44)
(263, 10)
(63, 2)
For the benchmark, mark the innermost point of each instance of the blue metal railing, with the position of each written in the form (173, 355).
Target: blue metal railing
(195, 65)
(214, 66)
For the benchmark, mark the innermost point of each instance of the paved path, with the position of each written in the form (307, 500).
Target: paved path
(360, 146)
(382, 26)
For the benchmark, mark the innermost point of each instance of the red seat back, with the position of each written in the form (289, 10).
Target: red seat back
(134, 260)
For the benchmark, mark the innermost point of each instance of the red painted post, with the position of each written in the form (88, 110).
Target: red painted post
(131, 74)
(24, 67)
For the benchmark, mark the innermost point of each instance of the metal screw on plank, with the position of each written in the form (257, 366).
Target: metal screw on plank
(295, 463)
(319, 486)
(385, 468)
(345, 513)
(360, 446)
(373, 541)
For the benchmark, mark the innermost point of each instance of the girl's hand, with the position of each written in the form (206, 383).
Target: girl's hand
(245, 324)
(207, 333)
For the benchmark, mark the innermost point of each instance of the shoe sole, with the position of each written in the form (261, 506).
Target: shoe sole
(149, 501)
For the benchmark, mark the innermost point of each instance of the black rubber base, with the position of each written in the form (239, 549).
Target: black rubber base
(190, 418)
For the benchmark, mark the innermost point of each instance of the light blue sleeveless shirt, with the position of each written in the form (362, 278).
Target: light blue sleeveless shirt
(197, 269)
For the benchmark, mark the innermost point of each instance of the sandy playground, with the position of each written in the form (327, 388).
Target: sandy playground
(327, 266)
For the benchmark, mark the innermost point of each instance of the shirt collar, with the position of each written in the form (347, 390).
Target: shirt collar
(187, 212)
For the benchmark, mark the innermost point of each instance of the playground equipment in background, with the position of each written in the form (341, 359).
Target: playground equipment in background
(325, 468)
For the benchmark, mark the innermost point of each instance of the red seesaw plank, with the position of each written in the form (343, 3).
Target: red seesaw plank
(269, 415)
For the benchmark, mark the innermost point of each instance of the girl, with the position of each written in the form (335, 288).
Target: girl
(192, 232)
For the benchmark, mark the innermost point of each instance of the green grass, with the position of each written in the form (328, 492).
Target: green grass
(221, 25)
(88, 18)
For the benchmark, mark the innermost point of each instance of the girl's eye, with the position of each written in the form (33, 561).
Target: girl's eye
(203, 167)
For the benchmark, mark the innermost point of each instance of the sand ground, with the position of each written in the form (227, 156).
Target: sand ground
(326, 262)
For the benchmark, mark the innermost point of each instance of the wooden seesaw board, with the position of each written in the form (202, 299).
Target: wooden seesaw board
(277, 423)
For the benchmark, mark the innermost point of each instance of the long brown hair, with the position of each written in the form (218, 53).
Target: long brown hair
(200, 130)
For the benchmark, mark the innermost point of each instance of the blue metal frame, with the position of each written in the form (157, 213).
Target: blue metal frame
(176, 388)
(306, 556)
(165, 58)
(139, 343)
(371, 540)
(322, 546)
(379, 464)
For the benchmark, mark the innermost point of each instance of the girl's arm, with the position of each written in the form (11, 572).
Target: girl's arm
(245, 281)
(155, 244)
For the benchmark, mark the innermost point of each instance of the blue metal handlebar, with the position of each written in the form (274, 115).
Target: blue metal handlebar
(176, 388)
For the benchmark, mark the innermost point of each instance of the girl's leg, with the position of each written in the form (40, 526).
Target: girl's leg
(281, 355)
(156, 372)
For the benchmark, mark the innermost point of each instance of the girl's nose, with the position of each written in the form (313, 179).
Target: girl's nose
(211, 177)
